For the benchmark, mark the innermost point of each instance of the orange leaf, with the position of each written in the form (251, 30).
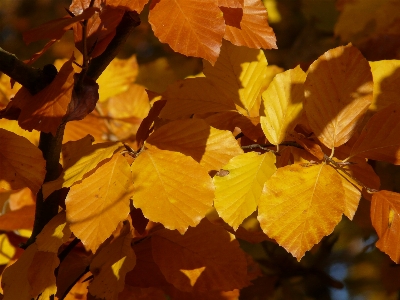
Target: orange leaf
(206, 258)
(254, 31)
(211, 147)
(132, 5)
(181, 190)
(146, 127)
(338, 92)
(92, 124)
(301, 205)
(231, 3)
(97, 204)
(22, 218)
(196, 29)
(21, 163)
(379, 139)
(385, 217)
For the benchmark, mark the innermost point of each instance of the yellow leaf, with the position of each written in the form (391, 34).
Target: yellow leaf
(237, 194)
(97, 204)
(211, 147)
(171, 188)
(301, 205)
(338, 92)
(241, 73)
(7, 250)
(79, 158)
(110, 266)
(12, 125)
(283, 104)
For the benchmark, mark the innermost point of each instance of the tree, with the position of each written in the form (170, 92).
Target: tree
(161, 215)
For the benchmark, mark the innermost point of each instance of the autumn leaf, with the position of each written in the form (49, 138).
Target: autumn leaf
(206, 258)
(181, 191)
(21, 163)
(211, 147)
(338, 92)
(385, 217)
(254, 31)
(240, 72)
(283, 104)
(97, 204)
(237, 193)
(231, 3)
(132, 5)
(79, 158)
(379, 138)
(301, 205)
(22, 218)
(196, 28)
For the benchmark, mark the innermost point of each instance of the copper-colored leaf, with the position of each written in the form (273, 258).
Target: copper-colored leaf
(181, 191)
(385, 217)
(379, 139)
(301, 205)
(211, 147)
(132, 5)
(21, 163)
(254, 31)
(206, 258)
(18, 219)
(196, 28)
(338, 93)
(231, 3)
(97, 204)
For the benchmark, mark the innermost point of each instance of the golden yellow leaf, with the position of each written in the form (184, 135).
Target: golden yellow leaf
(7, 250)
(171, 188)
(79, 158)
(338, 92)
(211, 147)
(97, 204)
(237, 194)
(283, 104)
(182, 257)
(110, 266)
(241, 73)
(21, 163)
(12, 125)
(301, 205)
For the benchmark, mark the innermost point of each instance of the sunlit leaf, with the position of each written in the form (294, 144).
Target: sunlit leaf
(237, 194)
(338, 93)
(231, 3)
(12, 125)
(283, 104)
(206, 258)
(181, 191)
(97, 204)
(301, 205)
(133, 5)
(21, 163)
(196, 28)
(22, 218)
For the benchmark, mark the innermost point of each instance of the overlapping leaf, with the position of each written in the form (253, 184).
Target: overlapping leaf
(211, 147)
(254, 31)
(300, 205)
(79, 158)
(338, 93)
(379, 139)
(283, 104)
(385, 217)
(196, 28)
(171, 188)
(133, 5)
(237, 193)
(22, 218)
(21, 163)
(240, 72)
(202, 260)
(97, 204)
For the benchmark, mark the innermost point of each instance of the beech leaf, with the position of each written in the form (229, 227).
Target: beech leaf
(22, 218)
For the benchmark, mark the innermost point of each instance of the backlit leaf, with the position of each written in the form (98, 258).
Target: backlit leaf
(97, 204)
(385, 217)
(21, 163)
(211, 147)
(79, 158)
(283, 104)
(196, 28)
(240, 72)
(194, 95)
(254, 31)
(206, 258)
(237, 194)
(133, 5)
(179, 189)
(379, 139)
(338, 93)
(22, 218)
(301, 205)
(231, 3)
